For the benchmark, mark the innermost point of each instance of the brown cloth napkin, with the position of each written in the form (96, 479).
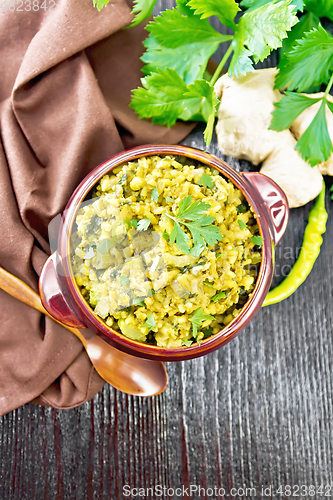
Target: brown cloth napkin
(64, 92)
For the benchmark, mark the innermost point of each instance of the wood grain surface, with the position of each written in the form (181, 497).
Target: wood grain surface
(255, 414)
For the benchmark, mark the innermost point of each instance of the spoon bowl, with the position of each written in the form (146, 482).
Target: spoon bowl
(129, 374)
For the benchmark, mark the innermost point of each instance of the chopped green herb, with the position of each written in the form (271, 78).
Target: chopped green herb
(241, 209)
(143, 224)
(241, 224)
(201, 226)
(170, 200)
(207, 283)
(165, 235)
(218, 296)
(150, 322)
(331, 191)
(124, 280)
(188, 267)
(138, 302)
(218, 255)
(188, 343)
(134, 223)
(105, 246)
(197, 318)
(155, 194)
(257, 240)
(123, 180)
(206, 181)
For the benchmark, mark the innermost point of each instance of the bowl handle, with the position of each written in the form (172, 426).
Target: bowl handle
(52, 296)
(274, 199)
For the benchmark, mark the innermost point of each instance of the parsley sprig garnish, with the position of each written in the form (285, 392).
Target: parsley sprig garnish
(193, 217)
(197, 319)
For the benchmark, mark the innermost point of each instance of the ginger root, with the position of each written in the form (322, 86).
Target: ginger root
(244, 118)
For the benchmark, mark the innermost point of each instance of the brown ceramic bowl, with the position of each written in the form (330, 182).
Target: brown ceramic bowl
(61, 295)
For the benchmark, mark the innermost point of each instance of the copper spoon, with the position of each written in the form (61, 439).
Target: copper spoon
(129, 374)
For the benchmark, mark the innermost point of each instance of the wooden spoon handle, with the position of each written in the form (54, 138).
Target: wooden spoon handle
(21, 291)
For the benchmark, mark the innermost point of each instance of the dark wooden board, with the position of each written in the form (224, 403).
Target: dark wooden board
(256, 413)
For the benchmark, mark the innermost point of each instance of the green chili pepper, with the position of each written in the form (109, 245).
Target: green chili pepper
(307, 257)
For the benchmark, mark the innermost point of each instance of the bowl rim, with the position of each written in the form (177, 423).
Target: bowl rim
(250, 308)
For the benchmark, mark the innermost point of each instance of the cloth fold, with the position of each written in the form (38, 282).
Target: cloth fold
(64, 94)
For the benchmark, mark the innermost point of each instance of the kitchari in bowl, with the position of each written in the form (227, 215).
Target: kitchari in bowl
(166, 251)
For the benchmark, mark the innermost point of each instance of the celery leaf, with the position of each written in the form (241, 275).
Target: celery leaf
(173, 29)
(261, 30)
(309, 62)
(315, 145)
(288, 108)
(225, 10)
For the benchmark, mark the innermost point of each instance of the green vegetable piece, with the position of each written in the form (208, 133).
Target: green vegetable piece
(189, 60)
(253, 4)
(242, 208)
(165, 235)
(200, 102)
(288, 108)
(124, 280)
(322, 8)
(306, 23)
(150, 322)
(331, 191)
(207, 283)
(123, 180)
(173, 29)
(161, 97)
(143, 224)
(206, 180)
(188, 343)
(263, 29)
(155, 194)
(143, 10)
(170, 200)
(218, 296)
(134, 223)
(226, 11)
(257, 240)
(310, 250)
(310, 62)
(241, 224)
(218, 255)
(240, 63)
(138, 302)
(197, 318)
(105, 246)
(315, 144)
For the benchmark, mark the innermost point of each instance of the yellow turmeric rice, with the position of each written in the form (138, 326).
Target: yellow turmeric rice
(167, 250)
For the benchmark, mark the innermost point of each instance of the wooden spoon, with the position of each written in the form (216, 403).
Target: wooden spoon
(129, 374)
